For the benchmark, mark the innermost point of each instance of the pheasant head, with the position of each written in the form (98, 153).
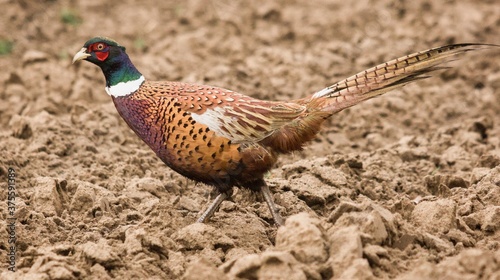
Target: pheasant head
(122, 78)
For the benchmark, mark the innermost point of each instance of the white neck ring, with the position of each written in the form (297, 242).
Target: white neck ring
(125, 88)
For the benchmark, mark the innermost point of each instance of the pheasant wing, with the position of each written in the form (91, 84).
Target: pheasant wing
(235, 116)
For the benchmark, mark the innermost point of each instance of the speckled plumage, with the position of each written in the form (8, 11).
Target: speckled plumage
(229, 153)
(225, 139)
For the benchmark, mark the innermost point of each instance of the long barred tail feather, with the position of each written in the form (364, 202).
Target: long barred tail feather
(355, 89)
(387, 76)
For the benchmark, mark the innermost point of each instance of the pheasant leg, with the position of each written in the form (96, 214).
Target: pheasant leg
(212, 208)
(270, 203)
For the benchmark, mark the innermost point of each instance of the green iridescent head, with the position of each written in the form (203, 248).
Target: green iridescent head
(111, 58)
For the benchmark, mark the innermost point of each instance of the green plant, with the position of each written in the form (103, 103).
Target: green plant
(140, 44)
(6, 47)
(70, 17)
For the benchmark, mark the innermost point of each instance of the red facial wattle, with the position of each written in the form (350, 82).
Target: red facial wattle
(101, 55)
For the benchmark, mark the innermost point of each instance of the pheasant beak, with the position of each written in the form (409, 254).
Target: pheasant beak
(82, 54)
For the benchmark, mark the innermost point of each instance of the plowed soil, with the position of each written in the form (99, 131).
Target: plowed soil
(404, 186)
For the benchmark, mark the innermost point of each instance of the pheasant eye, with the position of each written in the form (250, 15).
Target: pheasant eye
(100, 46)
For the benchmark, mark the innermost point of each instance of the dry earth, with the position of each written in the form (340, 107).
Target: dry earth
(406, 186)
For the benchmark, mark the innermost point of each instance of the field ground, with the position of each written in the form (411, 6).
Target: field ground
(405, 186)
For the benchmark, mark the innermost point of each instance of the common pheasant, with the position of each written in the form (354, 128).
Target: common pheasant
(225, 139)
